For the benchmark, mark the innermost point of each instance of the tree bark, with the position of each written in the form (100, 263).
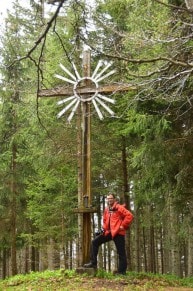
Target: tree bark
(190, 251)
(4, 266)
(126, 198)
(13, 212)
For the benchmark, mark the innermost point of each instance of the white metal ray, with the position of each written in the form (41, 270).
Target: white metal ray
(76, 71)
(97, 68)
(66, 108)
(105, 106)
(65, 100)
(97, 109)
(105, 76)
(73, 110)
(68, 72)
(64, 79)
(106, 98)
(101, 72)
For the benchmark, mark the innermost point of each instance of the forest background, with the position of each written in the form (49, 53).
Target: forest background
(143, 154)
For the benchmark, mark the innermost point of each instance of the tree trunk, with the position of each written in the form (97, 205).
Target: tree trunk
(4, 266)
(13, 212)
(126, 198)
(144, 251)
(175, 249)
(33, 259)
(190, 251)
(152, 250)
(66, 255)
(26, 266)
(137, 245)
(166, 237)
(152, 263)
(43, 257)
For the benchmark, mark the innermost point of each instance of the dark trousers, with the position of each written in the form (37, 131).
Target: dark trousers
(119, 241)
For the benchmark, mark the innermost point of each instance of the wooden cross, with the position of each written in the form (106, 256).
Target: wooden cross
(85, 93)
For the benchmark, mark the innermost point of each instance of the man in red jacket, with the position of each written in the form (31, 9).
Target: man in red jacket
(116, 220)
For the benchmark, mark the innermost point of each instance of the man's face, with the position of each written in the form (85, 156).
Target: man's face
(110, 200)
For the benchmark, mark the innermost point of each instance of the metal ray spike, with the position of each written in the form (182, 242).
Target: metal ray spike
(105, 106)
(76, 71)
(97, 68)
(68, 72)
(105, 76)
(65, 100)
(73, 111)
(64, 79)
(106, 98)
(97, 109)
(66, 108)
(101, 72)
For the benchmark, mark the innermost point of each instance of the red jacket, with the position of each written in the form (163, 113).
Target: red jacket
(116, 217)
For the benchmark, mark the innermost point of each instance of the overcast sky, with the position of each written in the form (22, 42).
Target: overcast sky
(7, 4)
(4, 6)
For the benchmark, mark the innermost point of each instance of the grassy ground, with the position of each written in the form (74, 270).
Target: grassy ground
(68, 280)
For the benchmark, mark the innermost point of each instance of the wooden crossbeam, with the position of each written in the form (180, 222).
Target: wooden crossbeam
(68, 90)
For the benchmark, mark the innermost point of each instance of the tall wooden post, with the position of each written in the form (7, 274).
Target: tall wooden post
(86, 164)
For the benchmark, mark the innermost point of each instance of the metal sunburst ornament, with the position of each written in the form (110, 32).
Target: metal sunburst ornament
(96, 99)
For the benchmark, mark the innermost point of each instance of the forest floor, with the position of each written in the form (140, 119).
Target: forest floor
(67, 280)
(125, 285)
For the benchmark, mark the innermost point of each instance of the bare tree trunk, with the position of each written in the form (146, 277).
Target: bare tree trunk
(190, 251)
(66, 255)
(144, 251)
(99, 218)
(152, 250)
(43, 257)
(137, 245)
(37, 259)
(161, 251)
(152, 264)
(50, 254)
(166, 242)
(175, 248)
(71, 254)
(62, 262)
(13, 212)
(126, 198)
(53, 255)
(26, 266)
(33, 259)
(4, 267)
